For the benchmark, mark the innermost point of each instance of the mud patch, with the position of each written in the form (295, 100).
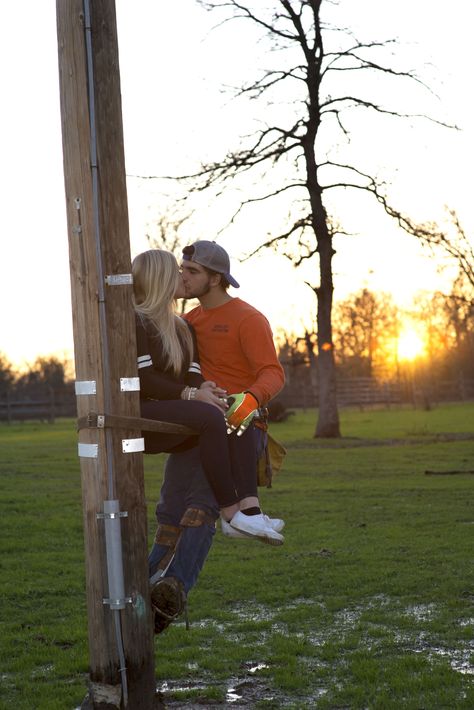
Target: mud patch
(421, 612)
(459, 659)
(255, 612)
(254, 683)
(42, 671)
(241, 692)
(209, 624)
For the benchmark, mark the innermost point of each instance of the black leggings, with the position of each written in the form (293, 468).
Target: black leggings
(229, 461)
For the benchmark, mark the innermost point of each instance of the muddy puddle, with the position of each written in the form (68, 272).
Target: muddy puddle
(243, 691)
(252, 684)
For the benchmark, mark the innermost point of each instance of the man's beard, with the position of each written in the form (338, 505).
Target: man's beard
(202, 292)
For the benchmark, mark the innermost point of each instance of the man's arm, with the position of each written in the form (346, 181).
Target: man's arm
(257, 344)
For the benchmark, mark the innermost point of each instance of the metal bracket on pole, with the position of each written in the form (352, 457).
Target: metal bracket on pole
(77, 229)
(119, 279)
(129, 384)
(85, 387)
(117, 603)
(111, 516)
(88, 451)
(130, 446)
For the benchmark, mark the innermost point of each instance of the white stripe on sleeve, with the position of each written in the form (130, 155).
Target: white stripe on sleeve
(144, 361)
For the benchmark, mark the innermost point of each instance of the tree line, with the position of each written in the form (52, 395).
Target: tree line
(45, 375)
(367, 327)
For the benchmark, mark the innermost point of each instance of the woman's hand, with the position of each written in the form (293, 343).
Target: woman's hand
(208, 384)
(211, 394)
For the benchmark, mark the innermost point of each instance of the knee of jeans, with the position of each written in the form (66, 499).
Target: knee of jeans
(163, 517)
(196, 517)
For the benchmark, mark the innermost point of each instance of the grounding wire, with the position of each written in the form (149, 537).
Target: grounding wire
(123, 667)
(100, 269)
(102, 312)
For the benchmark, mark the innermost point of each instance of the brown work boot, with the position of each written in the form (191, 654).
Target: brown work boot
(168, 601)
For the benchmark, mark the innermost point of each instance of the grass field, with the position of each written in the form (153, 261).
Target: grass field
(368, 604)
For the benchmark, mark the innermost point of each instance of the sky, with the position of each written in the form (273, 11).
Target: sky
(175, 114)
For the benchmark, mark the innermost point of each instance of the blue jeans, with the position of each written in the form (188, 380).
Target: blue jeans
(185, 486)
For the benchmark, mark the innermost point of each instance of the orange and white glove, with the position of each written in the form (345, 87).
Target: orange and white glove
(242, 409)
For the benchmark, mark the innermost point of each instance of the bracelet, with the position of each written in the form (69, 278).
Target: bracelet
(189, 393)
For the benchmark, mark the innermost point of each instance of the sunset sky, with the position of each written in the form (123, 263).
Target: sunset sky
(172, 69)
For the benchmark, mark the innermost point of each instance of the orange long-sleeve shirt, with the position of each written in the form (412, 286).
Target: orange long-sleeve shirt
(236, 349)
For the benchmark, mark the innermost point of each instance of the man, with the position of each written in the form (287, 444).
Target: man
(237, 353)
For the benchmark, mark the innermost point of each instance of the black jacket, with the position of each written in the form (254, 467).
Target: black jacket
(156, 380)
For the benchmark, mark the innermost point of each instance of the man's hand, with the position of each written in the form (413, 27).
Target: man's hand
(242, 409)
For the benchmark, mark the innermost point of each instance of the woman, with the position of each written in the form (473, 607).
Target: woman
(172, 388)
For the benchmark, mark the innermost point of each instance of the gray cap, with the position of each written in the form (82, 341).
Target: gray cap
(212, 256)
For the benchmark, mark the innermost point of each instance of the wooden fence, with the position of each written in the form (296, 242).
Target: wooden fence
(299, 392)
(365, 392)
(45, 408)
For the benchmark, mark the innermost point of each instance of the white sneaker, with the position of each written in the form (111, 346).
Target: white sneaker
(276, 523)
(256, 526)
(229, 531)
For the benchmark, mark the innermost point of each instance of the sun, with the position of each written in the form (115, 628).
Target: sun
(410, 345)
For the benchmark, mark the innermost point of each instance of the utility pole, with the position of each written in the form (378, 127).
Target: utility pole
(111, 462)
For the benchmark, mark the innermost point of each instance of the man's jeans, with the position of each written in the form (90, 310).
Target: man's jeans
(185, 486)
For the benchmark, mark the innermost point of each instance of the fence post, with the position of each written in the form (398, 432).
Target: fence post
(52, 412)
(9, 408)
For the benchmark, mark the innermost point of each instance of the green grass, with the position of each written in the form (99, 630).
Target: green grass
(368, 604)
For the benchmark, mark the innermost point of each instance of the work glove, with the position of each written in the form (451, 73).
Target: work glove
(242, 409)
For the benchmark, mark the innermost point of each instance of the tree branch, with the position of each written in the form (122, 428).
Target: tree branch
(300, 224)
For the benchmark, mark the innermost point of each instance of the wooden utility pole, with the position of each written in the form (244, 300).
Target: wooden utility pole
(120, 627)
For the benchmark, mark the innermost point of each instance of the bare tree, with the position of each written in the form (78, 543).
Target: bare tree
(168, 232)
(289, 158)
(452, 240)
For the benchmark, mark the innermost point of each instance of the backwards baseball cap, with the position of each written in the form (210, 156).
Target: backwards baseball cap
(212, 256)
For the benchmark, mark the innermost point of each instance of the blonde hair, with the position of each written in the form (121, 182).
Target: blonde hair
(155, 278)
